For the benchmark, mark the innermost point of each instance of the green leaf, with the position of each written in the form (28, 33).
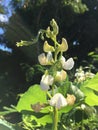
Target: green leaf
(32, 96)
(88, 88)
(63, 86)
(36, 119)
(76, 91)
(4, 125)
(91, 98)
(93, 83)
(66, 109)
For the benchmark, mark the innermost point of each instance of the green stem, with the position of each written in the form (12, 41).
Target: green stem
(55, 119)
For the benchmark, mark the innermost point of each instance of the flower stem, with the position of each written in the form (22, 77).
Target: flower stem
(55, 119)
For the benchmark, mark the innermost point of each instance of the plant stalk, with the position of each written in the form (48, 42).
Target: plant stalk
(55, 119)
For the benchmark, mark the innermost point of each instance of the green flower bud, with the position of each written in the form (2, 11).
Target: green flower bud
(63, 46)
(48, 32)
(55, 27)
(47, 47)
(24, 43)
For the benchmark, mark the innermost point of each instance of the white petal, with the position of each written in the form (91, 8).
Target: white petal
(50, 79)
(49, 56)
(68, 65)
(63, 59)
(44, 86)
(42, 59)
(46, 81)
(58, 101)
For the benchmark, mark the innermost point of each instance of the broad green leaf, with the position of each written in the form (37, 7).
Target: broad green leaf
(35, 121)
(32, 96)
(93, 83)
(91, 98)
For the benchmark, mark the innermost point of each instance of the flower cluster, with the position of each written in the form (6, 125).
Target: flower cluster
(59, 101)
(81, 75)
(53, 57)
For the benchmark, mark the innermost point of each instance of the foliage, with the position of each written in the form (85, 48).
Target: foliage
(77, 5)
(93, 60)
(76, 22)
(55, 102)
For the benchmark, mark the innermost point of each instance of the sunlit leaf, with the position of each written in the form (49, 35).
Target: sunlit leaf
(36, 120)
(92, 83)
(66, 109)
(91, 98)
(33, 95)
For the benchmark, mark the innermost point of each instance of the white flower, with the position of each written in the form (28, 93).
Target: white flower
(58, 101)
(46, 81)
(67, 65)
(45, 60)
(89, 75)
(80, 74)
(42, 59)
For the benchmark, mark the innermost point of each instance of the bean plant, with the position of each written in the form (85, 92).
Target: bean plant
(53, 104)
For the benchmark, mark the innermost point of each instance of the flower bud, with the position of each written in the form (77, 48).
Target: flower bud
(63, 46)
(55, 27)
(60, 75)
(71, 99)
(48, 32)
(48, 47)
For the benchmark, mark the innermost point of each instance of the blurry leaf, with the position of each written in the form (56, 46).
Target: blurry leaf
(4, 125)
(91, 98)
(92, 83)
(33, 95)
(91, 53)
(76, 91)
(36, 119)
(66, 109)
(2, 11)
(63, 86)
(95, 56)
(88, 87)
(8, 110)
(29, 74)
